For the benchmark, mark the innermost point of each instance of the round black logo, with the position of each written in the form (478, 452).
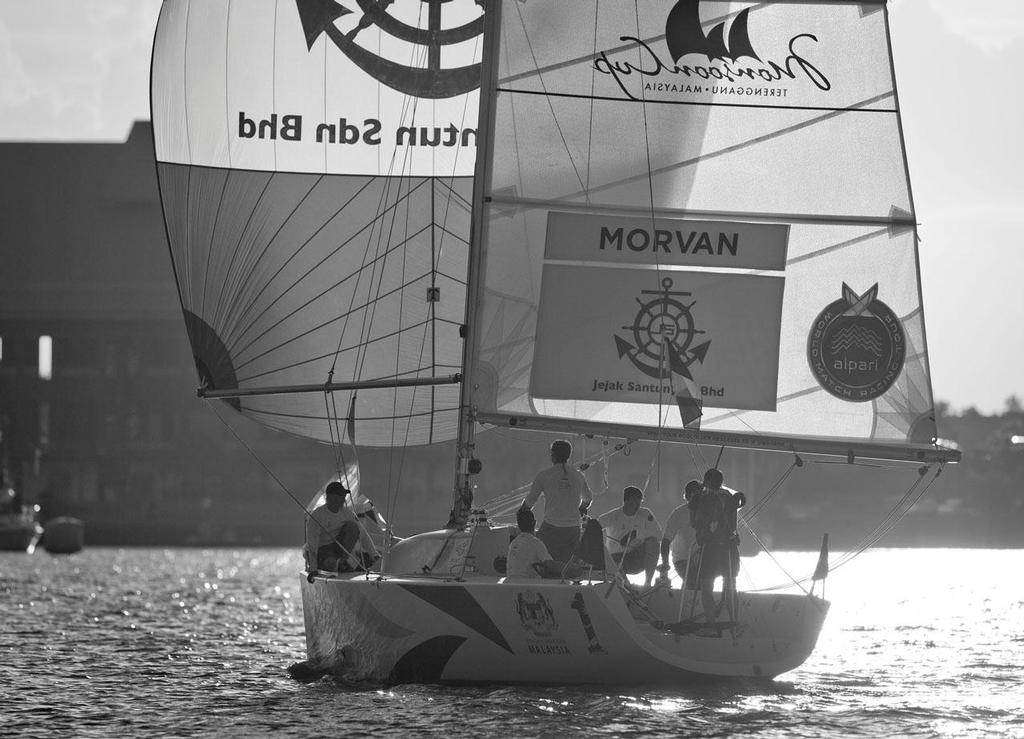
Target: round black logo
(856, 347)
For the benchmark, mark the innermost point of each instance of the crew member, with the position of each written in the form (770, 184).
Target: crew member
(334, 539)
(714, 523)
(567, 497)
(632, 534)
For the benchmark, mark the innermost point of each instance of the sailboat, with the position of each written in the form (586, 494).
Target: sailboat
(395, 224)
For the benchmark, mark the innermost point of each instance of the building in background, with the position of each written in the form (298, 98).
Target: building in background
(99, 419)
(97, 394)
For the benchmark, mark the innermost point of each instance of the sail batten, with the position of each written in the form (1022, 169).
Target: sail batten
(805, 218)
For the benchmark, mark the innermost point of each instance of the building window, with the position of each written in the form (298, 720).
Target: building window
(1, 348)
(45, 357)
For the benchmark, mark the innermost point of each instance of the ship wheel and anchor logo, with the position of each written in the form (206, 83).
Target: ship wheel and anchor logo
(663, 325)
(432, 81)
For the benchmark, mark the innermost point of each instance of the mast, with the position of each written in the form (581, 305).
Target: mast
(465, 464)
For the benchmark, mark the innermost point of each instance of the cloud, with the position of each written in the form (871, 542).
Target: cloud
(74, 70)
(990, 24)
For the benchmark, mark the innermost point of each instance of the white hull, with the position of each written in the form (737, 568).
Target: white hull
(482, 629)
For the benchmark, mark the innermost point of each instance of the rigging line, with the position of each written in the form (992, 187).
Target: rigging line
(324, 292)
(377, 265)
(230, 298)
(768, 552)
(508, 502)
(368, 316)
(593, 83)
(752, 512)
(328, 401)
(662, 421)
(334, 252)
(281, 415)
(186, 262)
(209, 248)
(248, 280)
(514, 120)
(315, 359)
(410, 106)
(551, 107)
(454, 196)
(450, 197)
(252, 452)
(701, 464)
(393, 499)
(865, 544)
(725, 150)
(406, 373)
(341, 445)
(896, 513)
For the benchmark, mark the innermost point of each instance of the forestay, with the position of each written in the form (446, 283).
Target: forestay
(702, 195)
(315, 164)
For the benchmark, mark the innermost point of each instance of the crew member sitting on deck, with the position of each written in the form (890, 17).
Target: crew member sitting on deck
(527, 555)
(632, 535)
(714, 521)
(334, 539)
(677, 538)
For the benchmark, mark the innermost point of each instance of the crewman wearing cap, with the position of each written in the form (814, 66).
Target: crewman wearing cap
(334, 539)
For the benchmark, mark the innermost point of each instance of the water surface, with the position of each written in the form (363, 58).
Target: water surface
(169, 642)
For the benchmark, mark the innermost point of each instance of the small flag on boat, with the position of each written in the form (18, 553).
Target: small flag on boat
(350, 422)
(821, 571)
(691, 406)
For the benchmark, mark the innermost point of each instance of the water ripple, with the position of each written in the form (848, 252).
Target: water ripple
(161, 642)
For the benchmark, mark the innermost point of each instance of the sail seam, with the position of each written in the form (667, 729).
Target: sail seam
(703, 104)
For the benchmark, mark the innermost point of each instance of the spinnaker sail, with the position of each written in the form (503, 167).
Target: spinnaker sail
(666, 210)
(315, 163)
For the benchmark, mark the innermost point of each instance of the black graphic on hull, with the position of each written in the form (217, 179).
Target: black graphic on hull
(433, 81)
(580, 606)
(461, 606)
(425, 662)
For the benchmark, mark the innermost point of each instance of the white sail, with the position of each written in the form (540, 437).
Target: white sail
(703, 195)
(315, 163)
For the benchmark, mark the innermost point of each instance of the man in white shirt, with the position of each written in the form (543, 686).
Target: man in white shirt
(566, 498)
(632, 534)
(677, 537)
(527, 555)
(334, 538)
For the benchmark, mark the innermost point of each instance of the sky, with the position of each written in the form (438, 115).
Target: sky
(78, 70)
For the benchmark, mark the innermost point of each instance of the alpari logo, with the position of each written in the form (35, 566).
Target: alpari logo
(433, 81)
(857, 347)
(684, 35)
(724, 60)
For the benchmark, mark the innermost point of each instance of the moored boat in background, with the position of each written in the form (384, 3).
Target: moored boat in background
(20, 529)
(64, 535)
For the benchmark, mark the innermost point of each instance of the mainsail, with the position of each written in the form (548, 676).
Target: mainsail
(660, 202)
(315, 163)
